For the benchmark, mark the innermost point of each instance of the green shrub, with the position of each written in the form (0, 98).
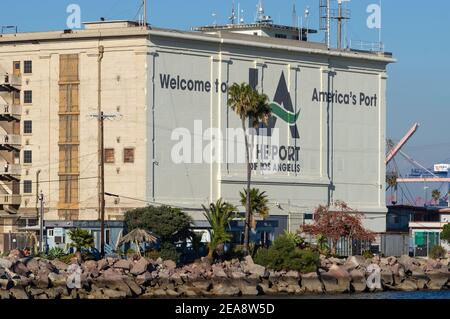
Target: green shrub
(169, 252)
(55, 252)
(285, 255)
(438, 252)
(367, 254)
(66, 258)
(152, 254)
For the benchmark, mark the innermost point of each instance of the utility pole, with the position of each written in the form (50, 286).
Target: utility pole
(145, 13)
(101, 177)
(339, 18)
(41, 223)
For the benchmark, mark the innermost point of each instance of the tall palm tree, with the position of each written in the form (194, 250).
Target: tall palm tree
(247, 103)
(219, 215)
(436, 195)
(258, 204)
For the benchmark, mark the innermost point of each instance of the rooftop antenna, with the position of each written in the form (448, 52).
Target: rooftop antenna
(259, 12)
(306, 21)
(342, 14)
(240, 14)
(145, 13)
(325, 16)
(294, 15)
(232, 18)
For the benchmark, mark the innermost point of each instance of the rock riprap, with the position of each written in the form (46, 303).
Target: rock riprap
(112, 278)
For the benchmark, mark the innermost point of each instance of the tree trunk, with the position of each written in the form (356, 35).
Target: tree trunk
(247, 204)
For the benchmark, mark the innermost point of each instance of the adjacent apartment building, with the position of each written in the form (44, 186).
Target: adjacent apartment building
(155, 83)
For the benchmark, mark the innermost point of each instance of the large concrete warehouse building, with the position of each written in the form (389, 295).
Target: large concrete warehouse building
(159, 83)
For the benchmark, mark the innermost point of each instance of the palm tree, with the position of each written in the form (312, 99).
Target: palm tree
(138, 236)
(248, 104)
(258, 204)
(219, 215)
(436, 195)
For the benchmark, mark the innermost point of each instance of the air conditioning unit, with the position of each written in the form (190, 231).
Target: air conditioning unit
(116, 201)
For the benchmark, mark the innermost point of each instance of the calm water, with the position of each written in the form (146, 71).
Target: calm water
(444, 294)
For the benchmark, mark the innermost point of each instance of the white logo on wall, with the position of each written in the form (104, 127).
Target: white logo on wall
(374, 19)
(74, 19)
(74, 278)
(374, 279)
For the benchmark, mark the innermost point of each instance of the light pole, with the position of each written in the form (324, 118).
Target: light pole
(425, 190)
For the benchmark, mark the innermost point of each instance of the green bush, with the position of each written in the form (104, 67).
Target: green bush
(438, 252)
(152, 254)
(55, 252)
(66, 258)
(367, 254)
(285, 255)
(169, 252)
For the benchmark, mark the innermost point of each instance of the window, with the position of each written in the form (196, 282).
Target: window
(27, 157)
(50, 232)
(107, 237)
(280, 36)
(128, 155)
(109, 156)
(27, 127)
(27, 187)
(28, 97)
(27, 67)
(16, 97)
(16, 66)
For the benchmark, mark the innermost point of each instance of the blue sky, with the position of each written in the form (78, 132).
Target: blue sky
(416, 33)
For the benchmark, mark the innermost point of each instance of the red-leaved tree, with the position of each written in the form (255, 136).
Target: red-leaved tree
(338, 221)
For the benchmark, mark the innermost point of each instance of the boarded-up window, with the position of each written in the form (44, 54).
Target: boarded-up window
(128, 155)
(16, 97)
(68, 70)
(16, 68)
(68, 98)
(109, 156)
(68, 155)
(68, 191)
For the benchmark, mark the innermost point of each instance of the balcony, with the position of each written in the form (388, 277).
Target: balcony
(9, 82)
(10, 172)
(8, 199)
(10, 142)
(9, 112)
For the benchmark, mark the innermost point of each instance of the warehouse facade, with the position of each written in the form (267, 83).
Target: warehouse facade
(329, 111)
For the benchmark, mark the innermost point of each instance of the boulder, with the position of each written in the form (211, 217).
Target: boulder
(407, 285)
(432, 265)
(438, 279)
(387, 277)
(311, 283)
(144, 279)
(336, 280)
(16, 254)
(247, 288)
(20, 269)
(113, 294)
(4, 295)
(57, 280)
(170, 265)
(354, 262)
(237, 275)
(5, 263)
(139, 267)
(420, 278)
(6, 283)
(102, 264)
(224, 290)
(251, 268)
(358, 280)
(123, 264)
(41, 280)
(58, 264)
(407, 262)
(392, 261)
(134, 287)
(33, 265)
(35, 291)
(218, 272)
(18, 293)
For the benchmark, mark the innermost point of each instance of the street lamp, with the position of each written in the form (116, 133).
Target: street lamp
(425, 189)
